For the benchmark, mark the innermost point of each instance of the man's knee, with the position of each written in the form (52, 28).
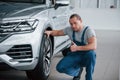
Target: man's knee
(60, 68)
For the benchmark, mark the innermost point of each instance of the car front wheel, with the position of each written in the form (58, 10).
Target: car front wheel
(42, 70)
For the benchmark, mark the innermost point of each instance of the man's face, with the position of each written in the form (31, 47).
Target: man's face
(75, 23)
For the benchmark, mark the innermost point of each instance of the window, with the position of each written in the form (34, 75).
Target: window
(97, 3)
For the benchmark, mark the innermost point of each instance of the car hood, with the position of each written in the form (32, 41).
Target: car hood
(10, 10)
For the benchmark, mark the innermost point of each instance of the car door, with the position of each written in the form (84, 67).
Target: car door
(61, 21)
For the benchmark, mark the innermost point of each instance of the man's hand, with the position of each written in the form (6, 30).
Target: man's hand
(73, 47)
(54, 33)
(48, 33)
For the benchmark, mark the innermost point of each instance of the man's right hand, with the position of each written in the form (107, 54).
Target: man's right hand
(54, 33)
(48, 33)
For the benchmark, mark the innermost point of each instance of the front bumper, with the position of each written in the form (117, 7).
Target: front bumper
(20, 51)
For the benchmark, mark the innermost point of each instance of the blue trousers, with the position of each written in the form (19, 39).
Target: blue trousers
(71, 63)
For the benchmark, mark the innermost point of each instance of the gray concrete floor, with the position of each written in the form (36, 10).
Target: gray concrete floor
(108, 57)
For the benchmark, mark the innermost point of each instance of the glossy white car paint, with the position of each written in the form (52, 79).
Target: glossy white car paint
(22, 26)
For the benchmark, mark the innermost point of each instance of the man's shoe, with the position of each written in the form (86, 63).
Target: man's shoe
(79, 75)
(76, 78)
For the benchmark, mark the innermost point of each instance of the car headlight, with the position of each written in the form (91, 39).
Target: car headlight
(21, 26)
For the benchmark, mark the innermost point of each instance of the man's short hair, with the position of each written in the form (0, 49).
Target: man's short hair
(75, 15)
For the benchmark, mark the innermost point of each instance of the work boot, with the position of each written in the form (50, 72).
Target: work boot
(79, 75)
(76, 78)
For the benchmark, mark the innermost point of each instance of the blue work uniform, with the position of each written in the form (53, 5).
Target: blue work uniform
(71, 63)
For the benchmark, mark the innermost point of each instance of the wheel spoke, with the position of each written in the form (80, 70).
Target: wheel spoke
(46, 45)
(46, 65)
(47, 56)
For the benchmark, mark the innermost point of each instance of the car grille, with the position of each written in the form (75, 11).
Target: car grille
(20, 52)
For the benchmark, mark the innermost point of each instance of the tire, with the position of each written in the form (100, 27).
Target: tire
(42, 70)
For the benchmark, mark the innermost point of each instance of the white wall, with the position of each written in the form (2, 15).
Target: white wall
(100, 18)
(95, 3)
(88, 3)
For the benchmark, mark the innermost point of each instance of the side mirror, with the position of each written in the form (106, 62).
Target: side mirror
(61, 3)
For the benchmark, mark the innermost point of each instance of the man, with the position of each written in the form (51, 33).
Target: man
(82, 49)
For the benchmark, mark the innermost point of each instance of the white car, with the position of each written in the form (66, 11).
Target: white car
(23, 44)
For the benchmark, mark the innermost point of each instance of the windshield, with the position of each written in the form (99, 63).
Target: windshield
(25, 1)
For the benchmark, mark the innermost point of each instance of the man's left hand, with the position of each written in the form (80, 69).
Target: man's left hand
(73, 47)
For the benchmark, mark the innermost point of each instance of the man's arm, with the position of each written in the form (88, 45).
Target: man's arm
(55, 33)
(92, 44)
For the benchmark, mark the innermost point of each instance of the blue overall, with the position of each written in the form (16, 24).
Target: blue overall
(71, 63)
